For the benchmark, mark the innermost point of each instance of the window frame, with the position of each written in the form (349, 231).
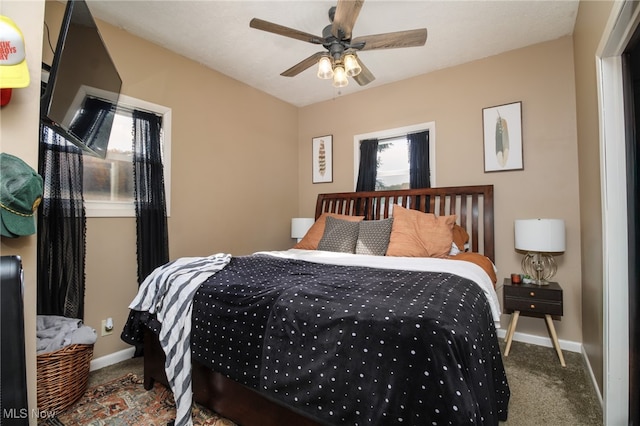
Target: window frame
(398, 132)
(127, 209)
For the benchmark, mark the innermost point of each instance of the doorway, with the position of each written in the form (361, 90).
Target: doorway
(631, 85)
(619, 107)
(619, 213)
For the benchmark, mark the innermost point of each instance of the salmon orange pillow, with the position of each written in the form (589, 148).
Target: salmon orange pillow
(460, 237)
(314, 234)
(418, 234)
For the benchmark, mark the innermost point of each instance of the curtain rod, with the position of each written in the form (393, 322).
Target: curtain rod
(390, 138)
(119, 107)
(129, 109)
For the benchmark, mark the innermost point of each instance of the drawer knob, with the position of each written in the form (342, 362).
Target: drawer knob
(532, 294)
(533, 306)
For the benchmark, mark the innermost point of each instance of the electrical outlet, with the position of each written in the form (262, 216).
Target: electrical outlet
(107, 327)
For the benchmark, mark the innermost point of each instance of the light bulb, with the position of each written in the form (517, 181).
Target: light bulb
(324, 68)
(339, 77)
(351, 65)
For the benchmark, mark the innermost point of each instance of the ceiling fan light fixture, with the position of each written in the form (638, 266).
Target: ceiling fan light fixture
(351, 65)
(325, 71)
(339, 77)
(340, 60)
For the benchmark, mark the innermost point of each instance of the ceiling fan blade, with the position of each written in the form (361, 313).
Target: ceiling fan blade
(346, 14)
(410, 38)
(365, 76)
(270, 27)
(303, 65)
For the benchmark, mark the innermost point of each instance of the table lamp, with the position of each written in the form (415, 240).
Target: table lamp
(541, 239)
(300, 226)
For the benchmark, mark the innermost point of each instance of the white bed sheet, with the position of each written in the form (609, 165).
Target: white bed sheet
(461, 268)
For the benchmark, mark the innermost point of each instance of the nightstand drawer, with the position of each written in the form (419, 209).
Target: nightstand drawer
(531, 292)
(532, 305)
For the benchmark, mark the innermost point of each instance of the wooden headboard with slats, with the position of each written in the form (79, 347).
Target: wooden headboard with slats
(473, 206)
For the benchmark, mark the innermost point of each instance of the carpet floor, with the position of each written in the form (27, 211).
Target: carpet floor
(542, 392)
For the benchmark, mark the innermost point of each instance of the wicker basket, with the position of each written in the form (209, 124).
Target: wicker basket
(62, 377)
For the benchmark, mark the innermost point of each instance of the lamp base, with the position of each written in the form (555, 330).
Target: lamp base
(540, 282)
(540, 267)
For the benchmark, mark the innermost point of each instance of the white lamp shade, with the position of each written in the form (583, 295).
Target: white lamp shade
(300, 226)
(540, 235)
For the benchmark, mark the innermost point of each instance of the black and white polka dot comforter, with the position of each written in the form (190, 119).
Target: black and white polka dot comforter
(357, 345)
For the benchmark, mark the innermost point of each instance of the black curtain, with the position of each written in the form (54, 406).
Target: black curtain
(151, 211)
(61, 228)
(419, 160)
(367, 172)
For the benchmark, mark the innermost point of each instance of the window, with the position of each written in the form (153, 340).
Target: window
(393, 155)
(108, 184)
(111, 179)
(393, 164)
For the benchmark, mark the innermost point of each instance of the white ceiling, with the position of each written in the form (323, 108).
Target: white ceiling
(217, 34)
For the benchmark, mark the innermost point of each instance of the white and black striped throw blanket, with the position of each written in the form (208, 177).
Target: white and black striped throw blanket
(168, 293)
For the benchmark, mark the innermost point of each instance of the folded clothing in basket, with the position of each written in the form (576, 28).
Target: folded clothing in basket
(55, 332)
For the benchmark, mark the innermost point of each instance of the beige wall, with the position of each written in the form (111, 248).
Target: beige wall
(234, 178)
(19, 121)
(590, 23)
(542, 77)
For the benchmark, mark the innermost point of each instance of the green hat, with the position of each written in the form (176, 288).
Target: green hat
(20, 194)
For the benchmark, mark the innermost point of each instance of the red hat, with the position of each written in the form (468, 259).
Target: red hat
(5, 96)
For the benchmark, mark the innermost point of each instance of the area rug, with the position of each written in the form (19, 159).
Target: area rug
(124, 402)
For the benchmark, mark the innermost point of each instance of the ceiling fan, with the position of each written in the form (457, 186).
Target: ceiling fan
(340, 58)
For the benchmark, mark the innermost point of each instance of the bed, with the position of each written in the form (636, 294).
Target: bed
(326, 336)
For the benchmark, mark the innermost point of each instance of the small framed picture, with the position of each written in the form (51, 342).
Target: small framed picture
(502, 127)
(322, 159)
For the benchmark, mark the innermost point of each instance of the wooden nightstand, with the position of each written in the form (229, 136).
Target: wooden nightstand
(533, 301)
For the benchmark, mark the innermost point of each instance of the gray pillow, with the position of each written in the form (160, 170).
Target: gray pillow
(339, 235)
(373, 237)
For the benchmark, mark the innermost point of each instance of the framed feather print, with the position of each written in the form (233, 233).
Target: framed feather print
(322, 152)
(502, 127)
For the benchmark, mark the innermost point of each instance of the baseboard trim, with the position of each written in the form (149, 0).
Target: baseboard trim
(593, 377)
(567, 345)
(114, 358)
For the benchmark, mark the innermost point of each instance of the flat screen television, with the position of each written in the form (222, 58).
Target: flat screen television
(80, 93)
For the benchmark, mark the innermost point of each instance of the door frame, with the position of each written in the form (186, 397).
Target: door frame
(622, 22)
